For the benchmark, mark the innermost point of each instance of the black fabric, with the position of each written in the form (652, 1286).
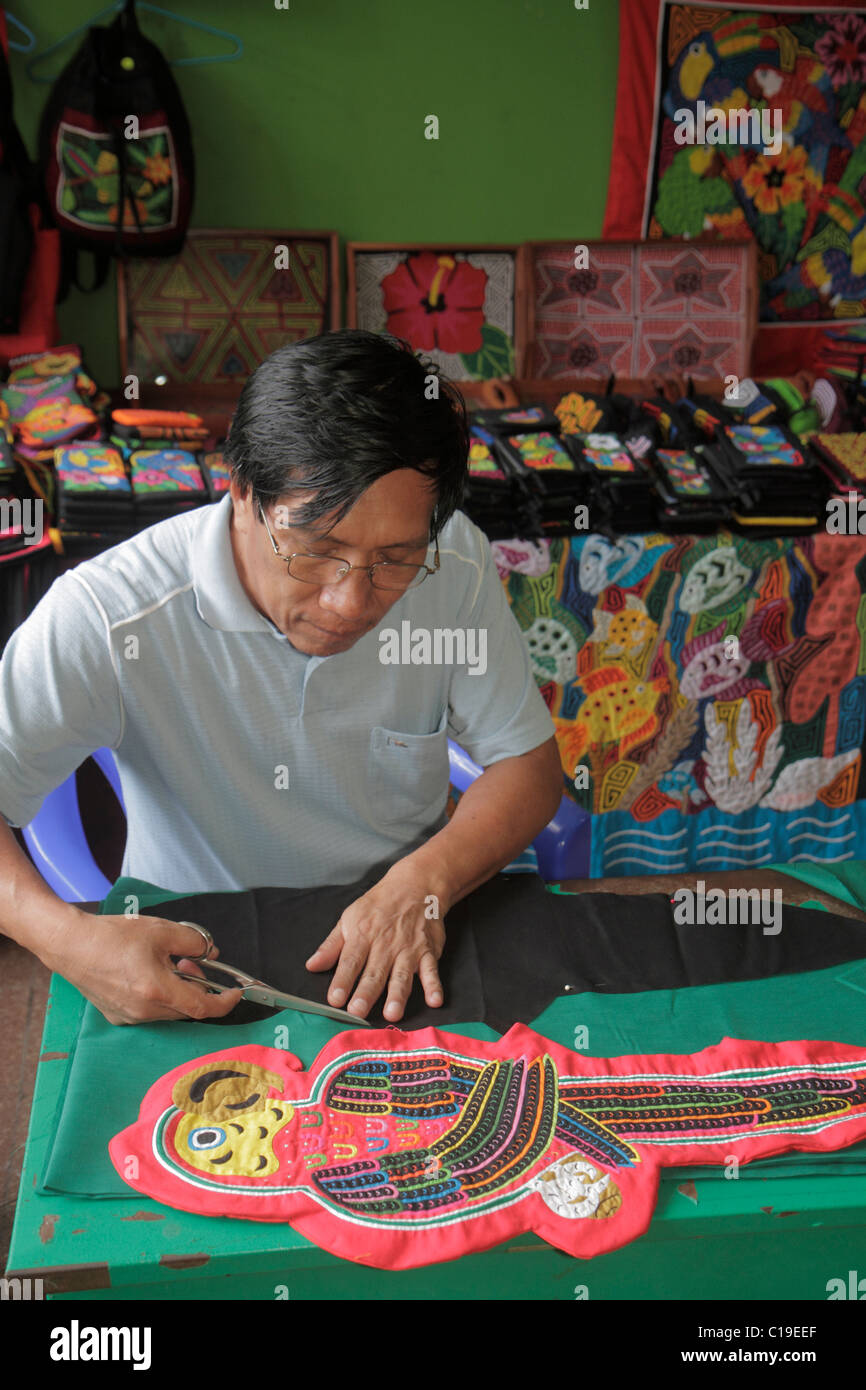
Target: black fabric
(512, 946)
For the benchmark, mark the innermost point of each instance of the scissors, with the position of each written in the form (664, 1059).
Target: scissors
(256, 990)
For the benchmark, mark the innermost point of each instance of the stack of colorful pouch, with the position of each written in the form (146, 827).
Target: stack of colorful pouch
(694, 490)
(553, 476)
(621, 485)
(493, 491)
(216, 472)
(165, 481)
(548, 481)
(135, 429)
(93, 492)
(781, 485)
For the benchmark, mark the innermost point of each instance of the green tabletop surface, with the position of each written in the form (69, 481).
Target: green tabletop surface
(783, 1229)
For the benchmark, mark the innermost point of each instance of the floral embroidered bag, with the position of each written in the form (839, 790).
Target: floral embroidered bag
(115, 152)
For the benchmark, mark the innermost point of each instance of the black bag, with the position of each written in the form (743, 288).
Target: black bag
(111, 189)
(16, 192)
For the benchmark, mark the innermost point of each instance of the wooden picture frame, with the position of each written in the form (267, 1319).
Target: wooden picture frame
(178, 314)
(700, 297)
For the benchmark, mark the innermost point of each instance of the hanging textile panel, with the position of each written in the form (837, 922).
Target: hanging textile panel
(750, 120)
(708, 692)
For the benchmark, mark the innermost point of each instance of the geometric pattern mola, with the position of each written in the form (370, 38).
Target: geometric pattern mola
(401, 1149)
(211, 314)
(634, 310)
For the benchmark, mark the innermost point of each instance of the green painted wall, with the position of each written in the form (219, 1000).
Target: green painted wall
(321, 123)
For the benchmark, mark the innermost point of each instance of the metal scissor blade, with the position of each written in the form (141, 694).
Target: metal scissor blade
(258, 994)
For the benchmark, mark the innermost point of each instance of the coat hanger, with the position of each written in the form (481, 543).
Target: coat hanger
(27, 47)
(115, 8)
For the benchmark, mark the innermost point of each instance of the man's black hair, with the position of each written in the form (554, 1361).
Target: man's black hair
(338, 412)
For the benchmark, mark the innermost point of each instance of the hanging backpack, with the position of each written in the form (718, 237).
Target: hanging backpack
(16, 192)
(115, 152)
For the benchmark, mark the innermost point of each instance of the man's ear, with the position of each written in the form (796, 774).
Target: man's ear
(246, 512)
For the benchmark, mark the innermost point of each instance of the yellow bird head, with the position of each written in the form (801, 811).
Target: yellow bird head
(695, 69)
(229, 1122)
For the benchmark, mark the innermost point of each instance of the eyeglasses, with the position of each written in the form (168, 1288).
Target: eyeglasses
(330, 569)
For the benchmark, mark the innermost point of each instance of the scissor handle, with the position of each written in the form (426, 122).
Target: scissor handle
(206, 938)
(240, 978)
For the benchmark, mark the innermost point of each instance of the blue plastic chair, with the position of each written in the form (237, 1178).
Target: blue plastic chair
(562, 848)
(58, 845)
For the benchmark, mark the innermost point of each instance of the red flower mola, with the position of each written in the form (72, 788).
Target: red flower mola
(436, 301)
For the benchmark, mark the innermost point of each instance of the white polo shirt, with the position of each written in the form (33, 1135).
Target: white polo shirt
(243, 762)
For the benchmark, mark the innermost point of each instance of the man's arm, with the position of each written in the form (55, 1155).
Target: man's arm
(121, 964)
(387, 935)
(498, 815)
(59, 700)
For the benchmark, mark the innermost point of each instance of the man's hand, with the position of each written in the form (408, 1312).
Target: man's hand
(385, 938)
(123, 966)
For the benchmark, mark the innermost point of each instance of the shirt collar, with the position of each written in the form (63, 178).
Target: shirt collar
(219, 595)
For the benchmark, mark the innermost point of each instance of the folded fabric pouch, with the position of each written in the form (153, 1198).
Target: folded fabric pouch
(47, 412)
(516, 419)
(216, 472)
(56, 361)
(59, 361)
(180, 425)
(482, 461)
(92, 486)
(579, 414)
(165, 481)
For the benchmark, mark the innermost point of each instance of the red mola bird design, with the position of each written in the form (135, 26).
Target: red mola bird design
(399, 1149)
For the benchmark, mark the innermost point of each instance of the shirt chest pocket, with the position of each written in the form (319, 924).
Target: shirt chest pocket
(408, 775)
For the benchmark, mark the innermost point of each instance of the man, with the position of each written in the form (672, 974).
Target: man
(238, 662)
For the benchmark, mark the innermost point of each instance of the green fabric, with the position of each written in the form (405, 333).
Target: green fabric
(846, 881)
(110, 1068)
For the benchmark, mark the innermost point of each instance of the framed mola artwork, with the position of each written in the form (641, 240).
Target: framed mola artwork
(749, 119)
(402, 1149)
(457, 305)
(636, 310)
(206, 318)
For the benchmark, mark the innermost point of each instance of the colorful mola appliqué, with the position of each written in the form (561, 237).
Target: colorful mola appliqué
(401, 1149)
